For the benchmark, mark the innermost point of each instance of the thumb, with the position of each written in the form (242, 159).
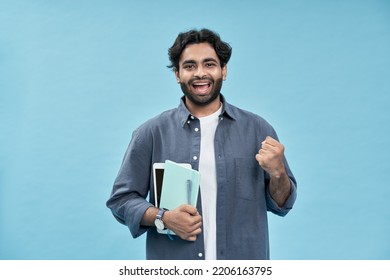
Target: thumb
(189, 209)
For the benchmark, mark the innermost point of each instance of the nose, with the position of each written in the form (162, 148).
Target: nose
(200, 72)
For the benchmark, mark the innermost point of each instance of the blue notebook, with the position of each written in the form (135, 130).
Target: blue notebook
(180, 186)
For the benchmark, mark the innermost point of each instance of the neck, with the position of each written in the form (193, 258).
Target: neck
(200, 111)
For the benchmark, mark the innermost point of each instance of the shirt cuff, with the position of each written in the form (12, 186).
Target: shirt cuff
(133, 220)
(282, 211)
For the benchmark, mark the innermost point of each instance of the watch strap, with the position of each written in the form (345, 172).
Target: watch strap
(160, 213)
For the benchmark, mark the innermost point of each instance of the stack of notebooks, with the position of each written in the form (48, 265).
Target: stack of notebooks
(175, 184)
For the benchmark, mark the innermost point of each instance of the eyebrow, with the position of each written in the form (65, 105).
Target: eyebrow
(208, 59)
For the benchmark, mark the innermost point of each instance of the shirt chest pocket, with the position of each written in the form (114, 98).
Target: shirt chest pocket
(249, 179)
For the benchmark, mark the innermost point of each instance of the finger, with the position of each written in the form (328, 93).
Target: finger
(271, 141)
(191, 238)
(270, 150)
(261, 153)
(260, 159)
(189, 209)
(196, 231)
(269, 144)
(193, 224)
(266, 146)
(196, 226)
(273, 147)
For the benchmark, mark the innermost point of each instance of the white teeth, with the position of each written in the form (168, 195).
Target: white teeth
(200, 84)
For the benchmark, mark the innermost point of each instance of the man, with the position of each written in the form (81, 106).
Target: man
(243, 170)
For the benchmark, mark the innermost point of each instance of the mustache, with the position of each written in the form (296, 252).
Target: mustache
(197, 79)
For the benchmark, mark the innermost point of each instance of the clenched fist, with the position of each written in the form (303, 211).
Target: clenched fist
(271, 156)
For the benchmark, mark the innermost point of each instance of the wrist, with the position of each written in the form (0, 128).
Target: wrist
(279, 172)
(159, 222)
(166, 217)
(278, 175)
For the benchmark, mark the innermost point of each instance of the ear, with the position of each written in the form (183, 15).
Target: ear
(224, 72)
(177, 76)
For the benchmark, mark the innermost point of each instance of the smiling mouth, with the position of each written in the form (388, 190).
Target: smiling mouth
(201, 87)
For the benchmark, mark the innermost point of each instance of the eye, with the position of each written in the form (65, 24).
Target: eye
(189, 66)
(210, 64)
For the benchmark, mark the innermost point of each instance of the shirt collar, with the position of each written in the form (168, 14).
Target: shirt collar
(184, 114)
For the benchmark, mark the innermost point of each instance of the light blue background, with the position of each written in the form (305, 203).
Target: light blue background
(77, 77)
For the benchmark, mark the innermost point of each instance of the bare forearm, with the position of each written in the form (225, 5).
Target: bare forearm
(149, 216)
(280, 188)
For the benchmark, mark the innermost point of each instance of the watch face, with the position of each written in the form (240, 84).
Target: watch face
(159, 224)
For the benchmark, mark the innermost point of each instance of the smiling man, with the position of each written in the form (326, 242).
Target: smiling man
(201, 77)
(243, 169)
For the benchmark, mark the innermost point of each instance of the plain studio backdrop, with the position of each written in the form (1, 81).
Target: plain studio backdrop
(77, 77)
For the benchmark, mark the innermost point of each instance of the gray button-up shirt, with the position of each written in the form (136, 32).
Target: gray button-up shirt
(243, 198)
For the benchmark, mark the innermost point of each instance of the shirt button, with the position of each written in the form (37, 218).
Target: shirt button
(200, 255)
(196, 129)
(188, 122)
(192, 117)
(195, 157)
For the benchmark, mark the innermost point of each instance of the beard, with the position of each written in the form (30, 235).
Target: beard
(202, 100)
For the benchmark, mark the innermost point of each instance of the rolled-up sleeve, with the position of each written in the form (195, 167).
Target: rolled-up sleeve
(128, 197)
(273, 207)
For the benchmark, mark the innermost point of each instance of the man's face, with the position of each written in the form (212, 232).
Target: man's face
(200, 74)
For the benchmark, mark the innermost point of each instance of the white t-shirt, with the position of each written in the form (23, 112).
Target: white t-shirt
(208, 182)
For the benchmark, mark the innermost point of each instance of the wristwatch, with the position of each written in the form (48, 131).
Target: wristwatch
(158, 221)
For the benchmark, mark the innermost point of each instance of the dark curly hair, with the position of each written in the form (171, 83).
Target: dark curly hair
(223, 49)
